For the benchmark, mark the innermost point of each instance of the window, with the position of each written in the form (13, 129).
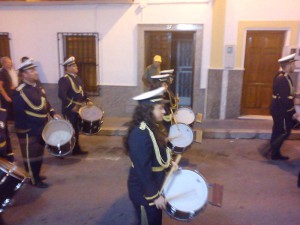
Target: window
(84, 47)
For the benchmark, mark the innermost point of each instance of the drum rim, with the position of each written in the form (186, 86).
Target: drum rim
(192, 132)
(55, 121)
(86, 106)
(184, 107)
(16, 172)
(207, 188)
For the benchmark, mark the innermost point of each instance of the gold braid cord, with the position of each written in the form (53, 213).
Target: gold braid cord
(173, 100)
(74, 87)
(159, 159)
(31, 105)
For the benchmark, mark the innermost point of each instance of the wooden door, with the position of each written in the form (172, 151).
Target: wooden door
(158, 43)
(263, 49)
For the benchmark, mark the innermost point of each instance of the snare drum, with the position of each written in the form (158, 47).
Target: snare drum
(59, 137)
(90, 119)
(184, 115)
(11, 180)
(181, 136)
(186, 192)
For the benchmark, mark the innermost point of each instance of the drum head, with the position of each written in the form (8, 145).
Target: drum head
(186, 190)
(181, 135)
(18, 172)
(90, 113)
(57, 132)
(184, 115)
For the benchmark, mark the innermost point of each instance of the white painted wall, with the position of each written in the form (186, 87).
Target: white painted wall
(34, 30)
(258, 10)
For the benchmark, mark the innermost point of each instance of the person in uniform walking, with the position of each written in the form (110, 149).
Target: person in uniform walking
(31, 109)
(151, 70)
(146, 145)
(73, 96)
(5, 149)
(282, 107)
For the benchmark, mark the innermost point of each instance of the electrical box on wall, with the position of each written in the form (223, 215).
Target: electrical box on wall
(291, 50)
(229, 56)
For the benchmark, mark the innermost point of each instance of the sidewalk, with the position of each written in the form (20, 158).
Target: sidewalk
(219, 129)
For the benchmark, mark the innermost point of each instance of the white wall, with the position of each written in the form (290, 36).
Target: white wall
(34, 30)
(258, 10)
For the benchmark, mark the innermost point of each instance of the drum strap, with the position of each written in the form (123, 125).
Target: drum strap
(164, 164)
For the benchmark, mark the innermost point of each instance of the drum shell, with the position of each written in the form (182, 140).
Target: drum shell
(10, 182)
(184, 215)
(181, 148)
(62, 150)
(90, 126)
(51, 127)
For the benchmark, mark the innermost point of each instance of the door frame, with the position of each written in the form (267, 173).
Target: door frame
(198, 40)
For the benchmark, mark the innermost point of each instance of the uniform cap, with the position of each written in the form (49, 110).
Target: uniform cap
(157, 58)
(161, 77)
(26, 65)
(151, 97)
(288, 59)
(70, 61)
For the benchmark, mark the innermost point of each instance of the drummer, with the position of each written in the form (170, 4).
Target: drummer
(165, 81)
(73, 96)
(146, 146)
(31, 110)
(4, 149)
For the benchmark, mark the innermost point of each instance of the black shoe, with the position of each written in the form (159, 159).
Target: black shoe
(80, 153)
(43, 177)
(279, 157)
(298, 183)
(41, 184)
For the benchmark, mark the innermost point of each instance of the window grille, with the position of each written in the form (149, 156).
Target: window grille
(84, 47)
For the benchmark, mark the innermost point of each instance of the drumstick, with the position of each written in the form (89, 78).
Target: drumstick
(175, 121)
(177, 100)
(174, 137)
(180, 195)
(178, 158)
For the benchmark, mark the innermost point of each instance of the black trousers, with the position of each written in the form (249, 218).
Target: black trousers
(73, 117)
(9, 108)
(153, 215)
(32, 149)
(282, 126)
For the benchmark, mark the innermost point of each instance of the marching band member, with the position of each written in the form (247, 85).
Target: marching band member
(73, 96)
(146, 145)
(4, 148)
(282, 107)
(171, 104)
(31, 109)
(151, 70)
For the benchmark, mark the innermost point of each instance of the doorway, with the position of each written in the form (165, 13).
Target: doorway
(263, 49)
(177, 51)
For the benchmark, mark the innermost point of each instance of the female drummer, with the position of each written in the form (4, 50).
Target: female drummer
(145, 144)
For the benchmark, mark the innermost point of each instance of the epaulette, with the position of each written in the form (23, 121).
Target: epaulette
(20, 87)
(66, 75)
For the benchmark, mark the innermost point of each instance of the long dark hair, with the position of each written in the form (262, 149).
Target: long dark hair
(144, 112)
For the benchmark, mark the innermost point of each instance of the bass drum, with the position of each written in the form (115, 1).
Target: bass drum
(91, 119)
(12, 179)
(59, 137)
(186, 192)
